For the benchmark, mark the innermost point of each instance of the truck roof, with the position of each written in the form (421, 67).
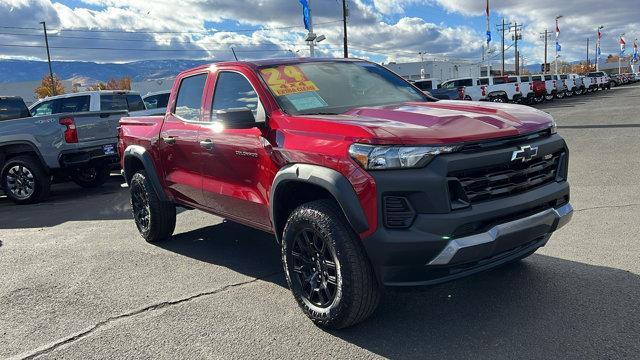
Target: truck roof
(276, 61)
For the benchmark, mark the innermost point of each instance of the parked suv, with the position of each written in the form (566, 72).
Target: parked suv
(363, 179)
(93, 101)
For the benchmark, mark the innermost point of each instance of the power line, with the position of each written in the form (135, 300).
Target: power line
(129, 49)
(146, 31)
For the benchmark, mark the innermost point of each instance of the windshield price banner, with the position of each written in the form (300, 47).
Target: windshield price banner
(286, 80)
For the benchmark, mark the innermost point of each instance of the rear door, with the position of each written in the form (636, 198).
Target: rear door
(178, 145)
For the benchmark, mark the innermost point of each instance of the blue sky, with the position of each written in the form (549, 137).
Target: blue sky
(382, 30)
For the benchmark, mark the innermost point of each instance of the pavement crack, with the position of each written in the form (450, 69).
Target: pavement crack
(606, 207)
(157, 306)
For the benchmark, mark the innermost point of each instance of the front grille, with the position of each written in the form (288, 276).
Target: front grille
(482, 184)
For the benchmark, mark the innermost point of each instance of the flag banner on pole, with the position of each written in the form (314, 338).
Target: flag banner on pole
(635, 50)
(305, 13)
(557, 29)
(623, 46)
(558, 47)
(599, 52)
(488, 24)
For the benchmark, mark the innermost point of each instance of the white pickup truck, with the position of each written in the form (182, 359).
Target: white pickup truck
(579, 82)
(602, 79)
(569, 84)
(496, 89)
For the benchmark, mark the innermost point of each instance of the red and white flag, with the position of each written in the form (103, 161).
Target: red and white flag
(599, 35)
(557, 29)
(623, 44)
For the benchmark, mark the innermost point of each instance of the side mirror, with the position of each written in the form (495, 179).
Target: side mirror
(237, 118)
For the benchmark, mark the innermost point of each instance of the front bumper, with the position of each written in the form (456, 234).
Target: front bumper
(446, 240)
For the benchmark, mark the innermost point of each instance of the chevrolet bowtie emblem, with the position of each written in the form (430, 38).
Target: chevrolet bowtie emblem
(526, 153)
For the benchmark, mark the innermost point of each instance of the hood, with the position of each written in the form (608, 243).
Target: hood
(445, 122)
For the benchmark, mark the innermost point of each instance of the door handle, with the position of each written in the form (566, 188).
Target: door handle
(206, 144)
(170, 140)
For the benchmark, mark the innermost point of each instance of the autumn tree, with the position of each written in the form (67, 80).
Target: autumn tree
(123, 83)
(48, 87)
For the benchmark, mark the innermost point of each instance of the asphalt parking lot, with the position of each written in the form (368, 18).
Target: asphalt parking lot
(77, 281)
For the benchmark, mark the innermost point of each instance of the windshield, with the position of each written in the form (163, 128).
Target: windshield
(336, 87)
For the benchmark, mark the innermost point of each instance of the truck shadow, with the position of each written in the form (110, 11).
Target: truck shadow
(237, 247)
(69, 202)
(544, 307)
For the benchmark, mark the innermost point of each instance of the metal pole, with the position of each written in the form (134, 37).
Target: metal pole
(517, 70)
(234, 54)
(588, 62)
(46, 41)
(312, 52)
(546, 39)
(502, 47)
(344, 22)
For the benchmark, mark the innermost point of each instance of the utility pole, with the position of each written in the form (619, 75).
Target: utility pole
(545, 36)
(588, 62)
(502, 28)
(345, 14)
(517, 35)
(46, 41)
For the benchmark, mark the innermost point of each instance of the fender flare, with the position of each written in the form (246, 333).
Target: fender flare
(140, 153)
(26, 143)
(332, 181)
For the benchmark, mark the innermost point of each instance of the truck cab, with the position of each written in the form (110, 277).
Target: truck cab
(89, 101)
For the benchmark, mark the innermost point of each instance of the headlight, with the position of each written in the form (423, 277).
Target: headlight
(373, 157)
(554, 127)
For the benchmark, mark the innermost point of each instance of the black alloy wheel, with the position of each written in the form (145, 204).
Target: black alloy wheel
(315, 267)
(141, 208)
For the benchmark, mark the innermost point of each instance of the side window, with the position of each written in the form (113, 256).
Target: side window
(156, 101)
(135, 103)
(234, 91)
(483, 81)
(448, 85)
(189, 101)
(74, 104)
(512, 79)
(465, 82)
(45, 108)
(499, 80)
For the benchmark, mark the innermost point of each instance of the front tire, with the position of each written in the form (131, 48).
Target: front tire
(498, 99)
(549, 97)
(24, 180)
(326, 267)
(155, 219)
(560, 95)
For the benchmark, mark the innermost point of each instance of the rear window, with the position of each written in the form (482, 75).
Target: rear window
(564, 77)
(536, 78)
(483, 81)
(117, 102)
(13, 108)
(464, 82)
(156, 101)
(548, 77)
(512, 79)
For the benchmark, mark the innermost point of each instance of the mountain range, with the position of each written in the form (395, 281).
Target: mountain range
(91, 72)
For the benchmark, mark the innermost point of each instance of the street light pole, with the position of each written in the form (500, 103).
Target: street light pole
(46, 41)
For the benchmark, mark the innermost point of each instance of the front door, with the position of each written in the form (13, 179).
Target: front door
(179, 146)
(237, 162)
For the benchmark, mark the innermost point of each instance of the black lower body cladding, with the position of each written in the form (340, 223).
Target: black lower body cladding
(429, 231)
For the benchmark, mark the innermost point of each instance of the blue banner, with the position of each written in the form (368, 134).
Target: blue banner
(305, 13)
(488, 37)
(558, 47)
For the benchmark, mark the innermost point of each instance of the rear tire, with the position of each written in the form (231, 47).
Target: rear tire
(91, 176)
(560, 95)
(24, 180)
(155, 219)
(549, 97)
(326, 267)
(498, 99)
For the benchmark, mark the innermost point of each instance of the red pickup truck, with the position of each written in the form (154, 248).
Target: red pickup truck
(364, 180)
